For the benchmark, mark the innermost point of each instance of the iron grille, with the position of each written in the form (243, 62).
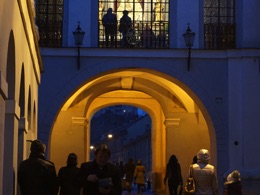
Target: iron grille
(49, 21)
(219, 24)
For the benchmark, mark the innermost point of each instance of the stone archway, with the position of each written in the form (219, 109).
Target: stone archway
(177, 120)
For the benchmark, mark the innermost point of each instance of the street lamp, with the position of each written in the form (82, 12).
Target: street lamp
(189, 39)
(109, 136)
(78, 38)
(92, 148)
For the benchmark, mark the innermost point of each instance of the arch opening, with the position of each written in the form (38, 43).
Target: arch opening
(178, 119)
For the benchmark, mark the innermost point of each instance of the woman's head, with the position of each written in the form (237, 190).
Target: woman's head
(203, 156)
(72, 160)
(139, 162)
(173, 159)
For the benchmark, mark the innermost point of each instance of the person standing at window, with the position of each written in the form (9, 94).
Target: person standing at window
(125, 24)
(109, 22)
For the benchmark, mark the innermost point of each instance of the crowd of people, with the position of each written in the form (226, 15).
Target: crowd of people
(37, 175)
(204, 175)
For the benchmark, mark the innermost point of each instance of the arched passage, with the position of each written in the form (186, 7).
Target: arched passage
(180, 123)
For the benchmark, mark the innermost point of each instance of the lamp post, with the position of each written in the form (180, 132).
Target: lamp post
(78, 38)
(189, 39)
(92, 148)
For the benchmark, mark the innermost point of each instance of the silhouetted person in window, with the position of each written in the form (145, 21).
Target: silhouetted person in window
(36, 175)
(109, 21)
(68, 177)
(125, 24)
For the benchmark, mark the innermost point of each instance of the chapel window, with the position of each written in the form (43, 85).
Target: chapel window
(149, 27)
(49, 21)
(219, 24)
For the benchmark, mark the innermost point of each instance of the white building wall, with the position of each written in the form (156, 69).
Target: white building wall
(19, 57)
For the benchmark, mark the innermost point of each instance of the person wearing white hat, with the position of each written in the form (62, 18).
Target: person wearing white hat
(204, 175)
(233, 184)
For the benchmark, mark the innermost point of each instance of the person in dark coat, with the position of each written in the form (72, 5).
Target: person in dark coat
(68, 177)
(173, 174)
(233, 184)
(125, 25)
(36, 175)
(109, 21)
(129, 174)
(100, 176)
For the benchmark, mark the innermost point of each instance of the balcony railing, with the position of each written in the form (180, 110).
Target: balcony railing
(140, 35)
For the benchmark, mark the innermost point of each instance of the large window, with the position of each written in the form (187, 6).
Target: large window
(49, 21)
(149, 28)
(219, 24)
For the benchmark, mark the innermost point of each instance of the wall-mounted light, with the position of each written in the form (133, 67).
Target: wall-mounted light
(189, 39)
(78, 38)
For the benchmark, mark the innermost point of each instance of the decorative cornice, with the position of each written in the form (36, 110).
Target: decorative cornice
(172, 122)
(79, 121)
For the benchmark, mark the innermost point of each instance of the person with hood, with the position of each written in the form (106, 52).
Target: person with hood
(68, 177)
(99, 176)
(36, 175)
(204, 175)
(233, 184)
(173, 174)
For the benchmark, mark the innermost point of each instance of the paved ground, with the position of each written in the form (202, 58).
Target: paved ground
(142, 193)
(147, 192)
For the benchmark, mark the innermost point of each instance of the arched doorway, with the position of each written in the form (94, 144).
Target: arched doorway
(180, 123)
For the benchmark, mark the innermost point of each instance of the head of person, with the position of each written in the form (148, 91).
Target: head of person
(102, 154)
(173, 159)
(37, 148)
(130, 160)
(72, 160)
(234, 177)
(125, 12)
(194, 160)
(109, 10)
(203, 156)
(139, 162)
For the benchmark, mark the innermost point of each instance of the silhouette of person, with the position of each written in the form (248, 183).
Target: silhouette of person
(139, 176)
(129, 174)
(100, 176)
(36, 175)
(109, 21)
(204, 174)
(194, 160)
(125, 24)
(148, 37)
(68, 177)
(233, 184)
(173, 174)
